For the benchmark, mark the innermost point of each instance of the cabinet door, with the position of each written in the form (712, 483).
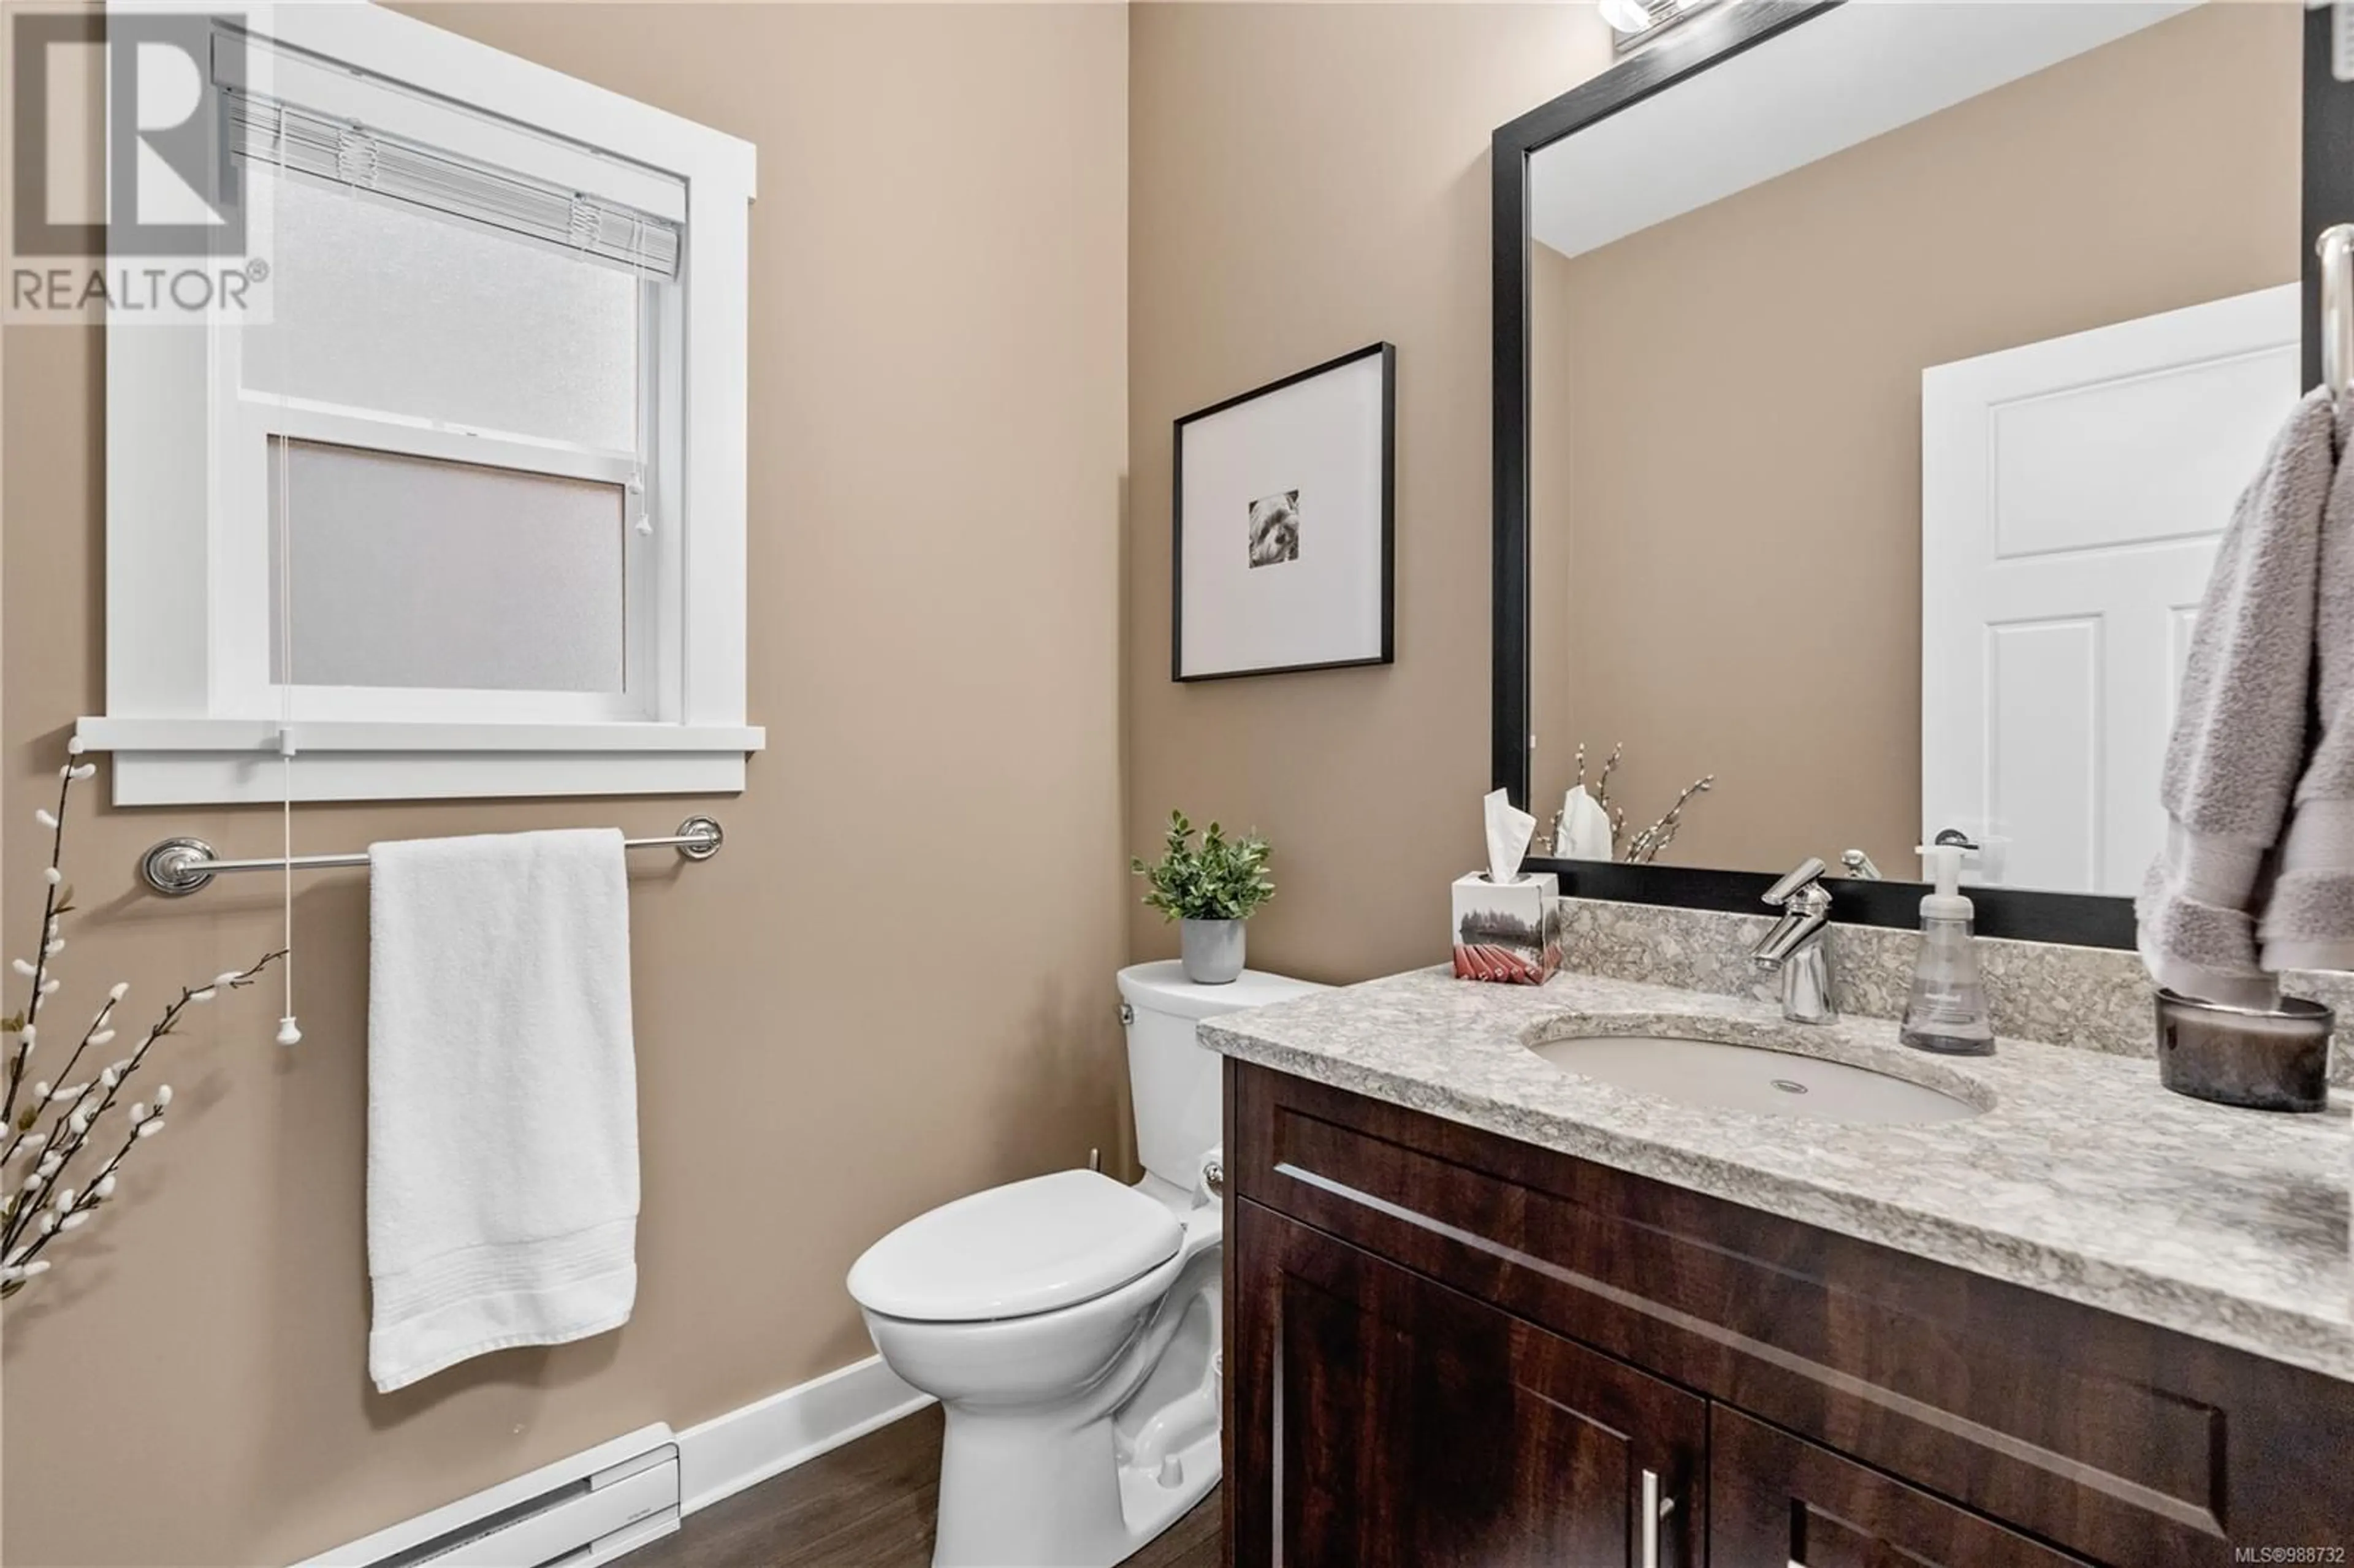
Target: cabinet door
(1776, 1501)
(1384, 1421)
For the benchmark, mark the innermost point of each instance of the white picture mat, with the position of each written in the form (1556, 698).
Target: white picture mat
(1323, 438)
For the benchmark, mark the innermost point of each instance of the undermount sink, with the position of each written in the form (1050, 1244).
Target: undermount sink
(1714, 1076)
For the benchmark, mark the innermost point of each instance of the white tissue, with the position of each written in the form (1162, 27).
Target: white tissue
(1509, 832)
(1585, 828)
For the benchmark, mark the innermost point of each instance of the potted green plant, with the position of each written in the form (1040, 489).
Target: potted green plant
(1210, 888)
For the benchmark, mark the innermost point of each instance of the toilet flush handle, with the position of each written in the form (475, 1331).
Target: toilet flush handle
(1127, 1015)
(1213, 1177)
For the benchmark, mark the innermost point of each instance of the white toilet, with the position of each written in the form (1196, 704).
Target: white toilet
(1069, 1324)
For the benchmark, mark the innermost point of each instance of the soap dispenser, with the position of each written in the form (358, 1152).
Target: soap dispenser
(1947, 1010)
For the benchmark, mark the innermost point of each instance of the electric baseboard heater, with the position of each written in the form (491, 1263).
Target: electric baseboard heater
(576, 1513)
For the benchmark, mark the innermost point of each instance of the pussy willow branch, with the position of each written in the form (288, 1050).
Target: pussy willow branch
(1662, 833)
(86, 1201)
(22, 1217)
(32, 1215)
(52, 912)
(21, 1127)
(30, 1015)
(1644, 846)
(1600, 790)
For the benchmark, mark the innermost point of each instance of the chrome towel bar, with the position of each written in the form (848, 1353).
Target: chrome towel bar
(2335, 246)
(177, 867)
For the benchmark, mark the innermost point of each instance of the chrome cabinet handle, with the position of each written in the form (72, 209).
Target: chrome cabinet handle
(1652, 1509)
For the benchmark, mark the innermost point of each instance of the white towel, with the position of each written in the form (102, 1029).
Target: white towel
(502, 1099)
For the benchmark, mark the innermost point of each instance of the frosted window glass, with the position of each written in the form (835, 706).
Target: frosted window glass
(416, 572)
(385, 307)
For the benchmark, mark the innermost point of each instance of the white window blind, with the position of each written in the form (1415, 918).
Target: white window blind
(265, 132)
(383, 307)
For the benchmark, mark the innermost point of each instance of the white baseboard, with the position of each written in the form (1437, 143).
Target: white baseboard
(768, 1437)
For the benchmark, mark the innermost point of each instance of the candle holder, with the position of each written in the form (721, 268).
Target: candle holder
(2264, 1059)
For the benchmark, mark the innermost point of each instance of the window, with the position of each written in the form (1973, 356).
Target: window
(540, 606)
(471, 518)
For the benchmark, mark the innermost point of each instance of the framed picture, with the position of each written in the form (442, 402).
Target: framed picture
(1282, 524)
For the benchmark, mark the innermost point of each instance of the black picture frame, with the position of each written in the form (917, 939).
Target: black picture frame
(1710, 39)
(1388, 654)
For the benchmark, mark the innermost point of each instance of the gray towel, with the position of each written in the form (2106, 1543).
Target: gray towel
(2308, 914)
(2239, 747)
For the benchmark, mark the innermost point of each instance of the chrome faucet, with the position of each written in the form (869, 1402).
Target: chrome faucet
(1795, 945)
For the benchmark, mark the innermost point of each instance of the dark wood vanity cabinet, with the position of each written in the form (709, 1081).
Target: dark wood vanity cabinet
(1446, 1347)
(1420, 1426)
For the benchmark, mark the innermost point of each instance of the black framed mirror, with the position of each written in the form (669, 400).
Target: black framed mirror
(1870, 383)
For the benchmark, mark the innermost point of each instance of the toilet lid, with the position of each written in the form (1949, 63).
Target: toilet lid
(1028, 1246)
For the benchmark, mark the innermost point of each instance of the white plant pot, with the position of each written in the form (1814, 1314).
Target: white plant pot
(1212, 950)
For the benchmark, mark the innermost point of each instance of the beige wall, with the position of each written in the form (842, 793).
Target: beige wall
(1146, 212)
(938, 438)
(1734, 397)
(1305, 180)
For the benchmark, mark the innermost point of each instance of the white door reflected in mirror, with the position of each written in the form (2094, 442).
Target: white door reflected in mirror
(2072, 495)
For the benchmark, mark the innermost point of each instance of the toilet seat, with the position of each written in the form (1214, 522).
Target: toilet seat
(1018, 1250)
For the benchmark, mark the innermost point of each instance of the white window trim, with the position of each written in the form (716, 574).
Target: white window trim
(172, 684)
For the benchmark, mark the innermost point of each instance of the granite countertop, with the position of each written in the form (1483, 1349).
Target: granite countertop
(2081, 1176)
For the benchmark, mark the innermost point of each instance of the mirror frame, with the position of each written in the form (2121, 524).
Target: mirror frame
(2095, 920)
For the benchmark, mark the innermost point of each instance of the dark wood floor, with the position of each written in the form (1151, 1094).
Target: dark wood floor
(868, 1504)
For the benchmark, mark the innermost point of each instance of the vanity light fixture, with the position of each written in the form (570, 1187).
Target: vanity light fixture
(1626, 16)
(1636, 23)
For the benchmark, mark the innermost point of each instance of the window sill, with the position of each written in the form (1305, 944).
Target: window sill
(172, 762)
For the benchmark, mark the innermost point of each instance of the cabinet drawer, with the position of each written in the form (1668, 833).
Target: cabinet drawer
(1776, 1501)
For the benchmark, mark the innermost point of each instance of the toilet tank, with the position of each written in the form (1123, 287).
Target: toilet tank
(1173, 1081)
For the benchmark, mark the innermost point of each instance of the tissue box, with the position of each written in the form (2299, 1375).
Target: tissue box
(1508, 931)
